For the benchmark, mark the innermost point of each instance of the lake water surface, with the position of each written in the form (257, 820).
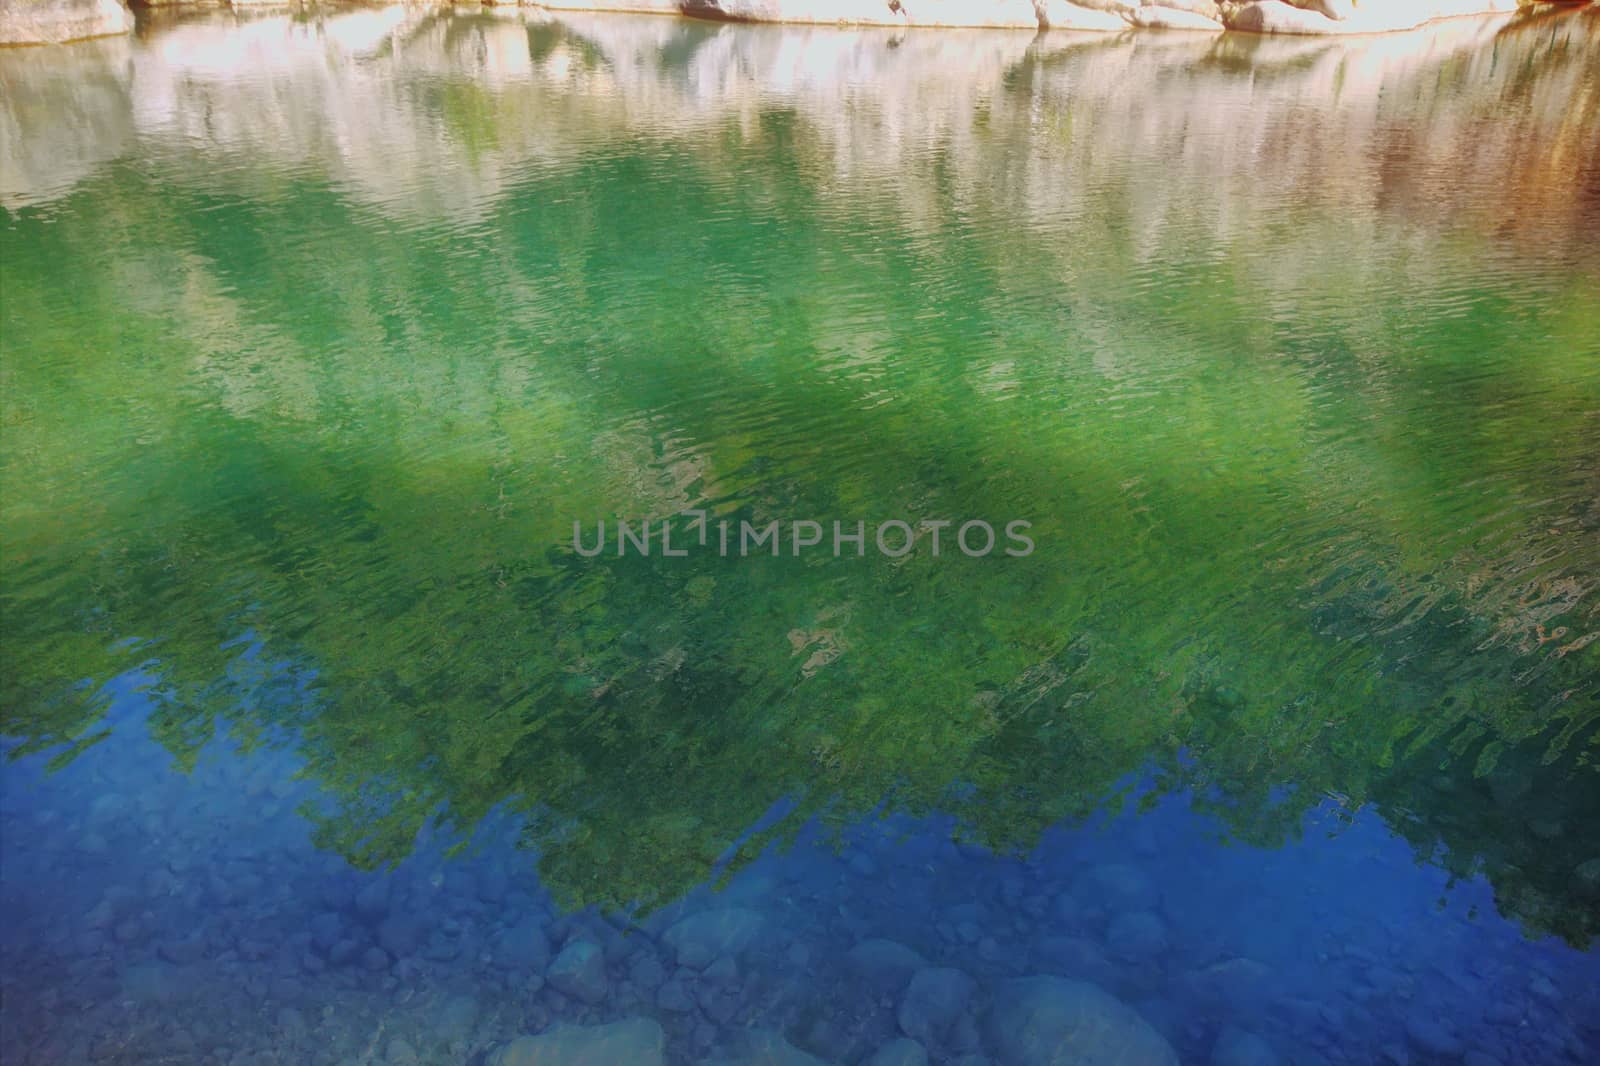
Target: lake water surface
(1274, 737)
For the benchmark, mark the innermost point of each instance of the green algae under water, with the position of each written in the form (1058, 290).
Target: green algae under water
(1289, 352)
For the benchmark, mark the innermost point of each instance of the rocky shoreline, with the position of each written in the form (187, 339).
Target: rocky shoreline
(27, 22)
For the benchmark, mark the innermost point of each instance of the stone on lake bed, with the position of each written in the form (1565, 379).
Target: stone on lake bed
(190, 949)
(636, 1042)
(372, 902)
(401, 935)
(761, 1047)
(673, 996)
(580, 972)
(524, 946)
(899, 1052)
(457, 1017)
(1541, 986)
(724, 970)
(401, 1053)
(1236, 1047)
(151, 983)
(934, 1002)
(1235, 981)
(1074, 956)
(884, 964)
(327, 929)
(647, 972)
(1053, 1021)
(1138, 936)
(700, 938)
(1116, 887)
(1430, 1036)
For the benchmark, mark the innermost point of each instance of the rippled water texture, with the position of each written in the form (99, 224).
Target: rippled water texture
(321, 330)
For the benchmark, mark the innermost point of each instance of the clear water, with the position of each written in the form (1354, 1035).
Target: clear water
(322, 330)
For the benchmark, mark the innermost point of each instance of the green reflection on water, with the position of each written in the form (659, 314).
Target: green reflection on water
(1313, 502)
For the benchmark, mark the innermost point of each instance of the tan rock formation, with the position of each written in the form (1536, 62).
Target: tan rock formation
(59, 21)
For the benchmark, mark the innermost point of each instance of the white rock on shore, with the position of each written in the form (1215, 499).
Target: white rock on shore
(1061, 15)
(1307, 17)
(1274, 16)
(1162, 17)
(59, 21)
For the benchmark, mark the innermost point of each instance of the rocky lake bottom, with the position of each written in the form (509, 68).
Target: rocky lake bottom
(157, 917)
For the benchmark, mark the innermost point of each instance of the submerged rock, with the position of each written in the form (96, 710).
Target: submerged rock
(1074, 956)
(1236, 1047)
(637, 1041)
(1053, 1021)
(1116, 887)
(674, 996)
(1238, 982)
(580, 972)
(934, 1002)
(646, 971)
(401, 935)
(1430, 1036)
(401, 1053)
(884, 964)
(700, 938)
(761, 1047)
(191, 949)
(524, 946)
(899, 1052)
(372, 902)
(1138, 936)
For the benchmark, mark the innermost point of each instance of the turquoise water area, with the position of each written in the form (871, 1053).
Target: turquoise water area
(327, 743)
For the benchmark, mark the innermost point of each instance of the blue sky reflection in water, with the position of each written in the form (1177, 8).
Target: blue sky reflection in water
(320, 332)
